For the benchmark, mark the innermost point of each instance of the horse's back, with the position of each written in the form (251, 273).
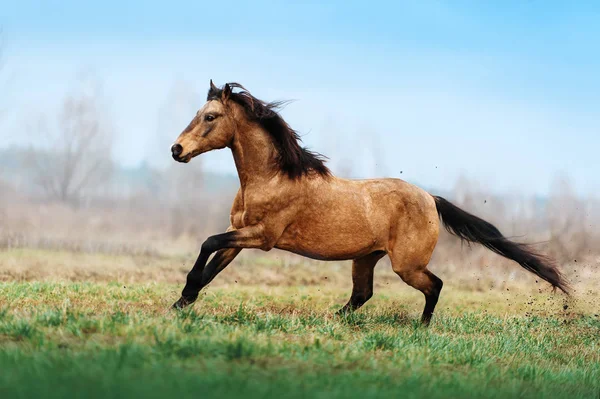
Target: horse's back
(396, 196)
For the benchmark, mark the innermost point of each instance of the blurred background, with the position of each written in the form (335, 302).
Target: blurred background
(493, 105)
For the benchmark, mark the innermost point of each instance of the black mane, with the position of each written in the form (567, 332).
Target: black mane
(293, 159)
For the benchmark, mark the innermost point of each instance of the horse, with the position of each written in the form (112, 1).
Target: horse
(289, 199)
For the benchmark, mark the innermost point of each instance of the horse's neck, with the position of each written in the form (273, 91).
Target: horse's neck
(253, 153)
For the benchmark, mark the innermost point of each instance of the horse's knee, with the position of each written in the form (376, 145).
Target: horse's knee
(435, 285)
(421, 279)
(437, 281)
(407, 273)
(209, 245)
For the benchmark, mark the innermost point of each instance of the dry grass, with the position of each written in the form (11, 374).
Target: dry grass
(279, 270)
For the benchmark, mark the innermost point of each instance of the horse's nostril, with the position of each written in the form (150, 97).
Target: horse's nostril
(177, 149)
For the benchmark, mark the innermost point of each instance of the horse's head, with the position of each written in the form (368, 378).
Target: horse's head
(229, 117)
(212, 128)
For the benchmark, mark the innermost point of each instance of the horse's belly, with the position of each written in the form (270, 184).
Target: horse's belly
(330, 238)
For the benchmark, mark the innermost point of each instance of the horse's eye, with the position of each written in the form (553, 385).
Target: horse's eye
(209, 118)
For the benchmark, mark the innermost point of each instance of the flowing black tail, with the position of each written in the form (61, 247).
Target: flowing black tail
(473, 229)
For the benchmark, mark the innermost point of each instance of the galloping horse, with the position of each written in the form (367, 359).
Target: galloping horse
(288, 199)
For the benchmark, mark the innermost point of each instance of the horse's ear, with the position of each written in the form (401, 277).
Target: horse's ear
(226, 93)
(212, 91)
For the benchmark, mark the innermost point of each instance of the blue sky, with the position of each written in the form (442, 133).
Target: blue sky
(505, 93)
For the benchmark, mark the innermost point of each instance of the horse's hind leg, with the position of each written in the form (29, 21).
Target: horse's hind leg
(422, 279)
(362, 281)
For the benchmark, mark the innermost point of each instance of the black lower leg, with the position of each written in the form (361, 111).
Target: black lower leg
(355, 302)
(198, 277)
(193, 283)
(431, 298)
(362, 281)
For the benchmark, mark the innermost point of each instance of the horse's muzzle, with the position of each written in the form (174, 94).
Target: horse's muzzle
(176, 151)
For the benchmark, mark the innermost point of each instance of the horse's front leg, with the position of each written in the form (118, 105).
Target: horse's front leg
(228, 246)
(195, 280)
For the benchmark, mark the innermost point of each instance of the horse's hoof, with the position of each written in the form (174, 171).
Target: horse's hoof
(178, 305)
(182, 303)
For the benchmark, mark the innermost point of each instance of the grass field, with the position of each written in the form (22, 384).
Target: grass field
(113, 336)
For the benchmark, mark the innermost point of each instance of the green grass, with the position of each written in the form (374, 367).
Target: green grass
(109, 340)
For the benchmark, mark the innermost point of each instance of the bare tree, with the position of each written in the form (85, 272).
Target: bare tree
(74, 159)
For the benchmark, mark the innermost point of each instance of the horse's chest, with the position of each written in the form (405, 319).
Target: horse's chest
(237, 219)
(247, 216)
(263, 206)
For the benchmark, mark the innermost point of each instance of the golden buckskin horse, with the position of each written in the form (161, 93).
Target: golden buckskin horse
(288, 199)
